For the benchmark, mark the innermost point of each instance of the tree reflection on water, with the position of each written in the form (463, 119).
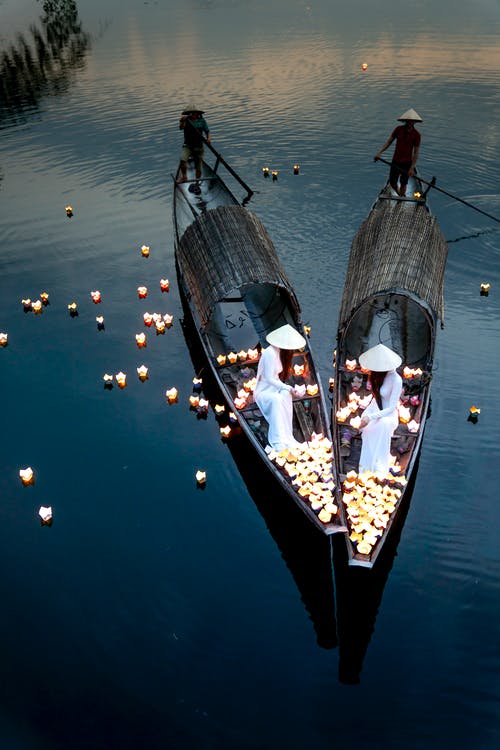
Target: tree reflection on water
(43, 63)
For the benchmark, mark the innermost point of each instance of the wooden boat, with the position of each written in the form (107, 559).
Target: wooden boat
(393, 295)
(237, 292)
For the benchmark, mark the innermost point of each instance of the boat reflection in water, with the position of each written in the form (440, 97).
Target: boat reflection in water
(305, 550)
(359, 593)
(43, 64)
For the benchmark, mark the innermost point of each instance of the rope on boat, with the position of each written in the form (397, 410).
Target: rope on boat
(432, 184)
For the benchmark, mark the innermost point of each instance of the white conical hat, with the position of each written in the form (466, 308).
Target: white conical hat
(410, 114)
(191, 107)
(286, 337)
(380, 359)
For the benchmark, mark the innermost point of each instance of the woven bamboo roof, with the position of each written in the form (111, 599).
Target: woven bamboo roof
(399, 247)
(224, 249)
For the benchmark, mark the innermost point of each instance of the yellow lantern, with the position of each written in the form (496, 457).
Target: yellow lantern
(232, 357)
(142, 372)
(145, 251)
(221, 359)
(172, 395)
(4, 339)
(140, 339)
(121, 379)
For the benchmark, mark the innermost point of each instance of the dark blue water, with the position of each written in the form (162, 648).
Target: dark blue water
(153, 614)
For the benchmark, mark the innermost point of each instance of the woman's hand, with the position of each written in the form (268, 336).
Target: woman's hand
(364, 422)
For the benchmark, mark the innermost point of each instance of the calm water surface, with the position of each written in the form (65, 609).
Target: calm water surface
(156, 615)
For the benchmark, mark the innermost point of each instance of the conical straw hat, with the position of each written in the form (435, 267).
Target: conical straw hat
(286, 337)
(192, 108)
(380, 359)
(410, 114)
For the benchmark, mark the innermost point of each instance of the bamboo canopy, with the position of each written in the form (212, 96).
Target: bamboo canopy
(224, 249)
(398, 248)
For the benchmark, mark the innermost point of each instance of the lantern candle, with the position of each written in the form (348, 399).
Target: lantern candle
(248, 386)
(69, 211)
(298, 370)
(404, 414)
(331, 383)
(274, 174)
(355, 422)
(37, 306)
(164, 285)
(145, 251)
(100, 322)
(27, 475)
(232, 417)
(26, 304)
(364, 66)
(414, 400)
(148, 319)
(121, 379)
(296, 168)
(203, 406)
(240, 403)
(45, 514)
(160, 327)
(172, 395)
(73, 311)
(44, 296)
(351, 364)
(225, 431)
(197, 384)
(312, 389)
(253, 354)
(417, 195)
(108, 381)
(142, 372)
(142, 292)
(242, 355)
(232, 357)
(156, 317)
(485, 288)
(140, 339)
(221, 359)
(307, 330)
(265, 171)
(201, 476)
(219, 409)
(475, 410)
(168, 320)
(4, 339)
(242, 393)
(194, 400)
(96, 297)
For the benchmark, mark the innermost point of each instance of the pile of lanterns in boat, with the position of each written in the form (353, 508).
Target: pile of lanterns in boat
(370, 500)
(310, 472)
(245, 355)
(356, 402)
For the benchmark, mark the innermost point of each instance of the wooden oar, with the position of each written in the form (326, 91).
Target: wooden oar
(432, 184)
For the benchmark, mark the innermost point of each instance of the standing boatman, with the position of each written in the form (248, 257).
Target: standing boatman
(405, 155)
(192, 117)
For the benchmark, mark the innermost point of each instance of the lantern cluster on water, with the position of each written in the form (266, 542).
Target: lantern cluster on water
(370, 500)
(310, 472)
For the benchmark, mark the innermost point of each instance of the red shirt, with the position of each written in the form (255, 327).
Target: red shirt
(406, 141)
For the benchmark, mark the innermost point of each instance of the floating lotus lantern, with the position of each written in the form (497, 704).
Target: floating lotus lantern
(108, 381)
(194, 400)
(343, 413)
(45, 514)
(26, 304)
(221, 359)
(172, 395)
(307, 330)
(73, 309)
(4, 339)
(253, 354)
(364, 66)
(242, 393)
(197, 384)
(164, 285)
(145, 251)
(160, 327)
(274, 174)
(100, 322)
(156, 317)
(201, 477)
(355, 422)
(232, 357)
(203, 405)
(142, 373)
(148, 319)
(37, 306)
(296, 168)
(351, 364)
(232, 417)
(219, 409)
(140, 340)
(249, 385)
(413, 426)
(298, 370)
(331, 384)
(242, 355)
(474, 413)
(225, 431)
(27, 476)
(96, 297)
(485, 288)
(121, 379)
(168, 320)
(44, 296)
(142, 292)
(69, 211)
(312, 389)
(417, 195)
(265, 171)
(240, 403)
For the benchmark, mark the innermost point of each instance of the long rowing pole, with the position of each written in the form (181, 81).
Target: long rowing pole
(432, 184)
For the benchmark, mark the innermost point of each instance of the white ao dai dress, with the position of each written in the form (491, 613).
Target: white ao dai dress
(274, 399)
(376, 436)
